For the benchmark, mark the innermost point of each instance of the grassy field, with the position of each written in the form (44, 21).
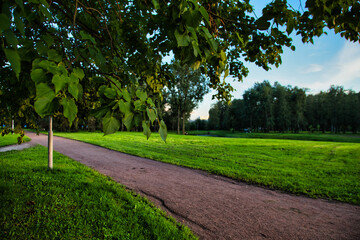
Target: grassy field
(73, 202)
(10, 139)
(316, 169)
(354, 138)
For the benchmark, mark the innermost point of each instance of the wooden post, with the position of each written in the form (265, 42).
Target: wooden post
(50, 145)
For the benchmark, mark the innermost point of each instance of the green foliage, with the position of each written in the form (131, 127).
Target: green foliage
(110, 124)
(315, 169)
(70, 109)
(14, 59)
(185, 92)
(267, 108)
(68, 43)
(73, 202)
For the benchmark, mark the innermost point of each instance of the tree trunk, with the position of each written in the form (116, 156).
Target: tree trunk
(183, 124)
(178, 122)
(50, 145)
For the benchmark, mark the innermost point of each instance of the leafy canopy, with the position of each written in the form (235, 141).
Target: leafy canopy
(123, 43)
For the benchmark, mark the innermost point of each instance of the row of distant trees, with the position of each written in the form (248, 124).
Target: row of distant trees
(284, 108)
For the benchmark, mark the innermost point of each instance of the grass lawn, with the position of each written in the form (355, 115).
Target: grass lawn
(312, 168)
(73, 202)
(10, 139)
(354, 138)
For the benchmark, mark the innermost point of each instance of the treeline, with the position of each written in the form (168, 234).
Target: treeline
(280, 108)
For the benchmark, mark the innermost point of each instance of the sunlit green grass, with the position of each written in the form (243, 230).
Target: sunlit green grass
(73, 202)
(316, 169)
(354, 138)
(10, 139)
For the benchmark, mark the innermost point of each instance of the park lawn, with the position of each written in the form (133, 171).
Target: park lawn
(328, 170)
(10, 139)
(328, 137)
(73, 202)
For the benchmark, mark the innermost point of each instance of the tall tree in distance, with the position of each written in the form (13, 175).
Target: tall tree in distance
(281, 108)
(185, 92)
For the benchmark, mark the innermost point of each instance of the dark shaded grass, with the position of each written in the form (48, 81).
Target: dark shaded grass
(73, 202)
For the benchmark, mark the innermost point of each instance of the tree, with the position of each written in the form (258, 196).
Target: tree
(185, 92)
(281, 108)
(123, 43)
(237, 115)
(297, 108)
(219, 116)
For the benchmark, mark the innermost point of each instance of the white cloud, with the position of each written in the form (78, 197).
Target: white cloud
(342, 70)
(312, 68)
(347, 65)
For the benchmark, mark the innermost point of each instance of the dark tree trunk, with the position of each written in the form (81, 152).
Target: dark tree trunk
(183, 124)
(178, 122)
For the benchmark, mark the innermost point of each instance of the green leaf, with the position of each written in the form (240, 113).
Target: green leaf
(183, 40)
(102, 89)
(100, 112)
(137, 119)
(73, 79)
(128, 121)
(163, 130)
(197, 50)
(290, 26)
(146, 129)
(262, 24)
(58, 81)
(4, 22)
(45, 96)
(11, 38)
(79, 73)
(74, 90)
(110, 124)
(141, 94)
(48, 39)
(44, 10)
(196, 65)
(110, 93)
(151, 114)
(138, 105)
(19, 24)
(80, 90)
(125, 107)
(43, 106)
(126, 95)
(20, 3)
(54, 56)
(222, 55)
(43, 90)
(204, 13)
(156, 4)
(14, 59)
(38, 75)
(49, 66)
(150, 102)
(86, 36)
(70, 109)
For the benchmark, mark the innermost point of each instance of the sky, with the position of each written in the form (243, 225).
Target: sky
(331, 60)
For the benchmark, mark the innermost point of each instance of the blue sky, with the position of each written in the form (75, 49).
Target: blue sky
(331, 60)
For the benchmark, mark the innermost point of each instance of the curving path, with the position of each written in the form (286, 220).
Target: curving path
(216, 207)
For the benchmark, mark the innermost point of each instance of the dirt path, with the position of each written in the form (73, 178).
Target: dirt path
(216, 207)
